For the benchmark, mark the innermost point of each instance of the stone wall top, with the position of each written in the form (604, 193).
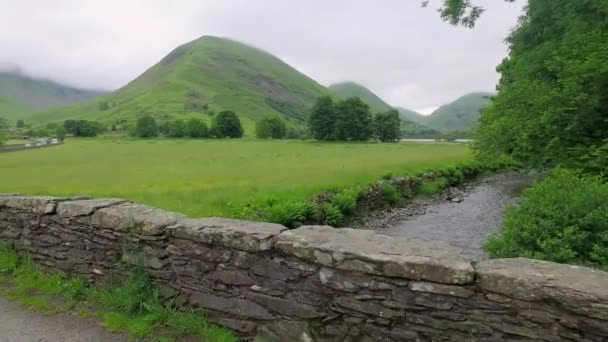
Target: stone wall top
(237, 234)
(366, 251)
(534, 280)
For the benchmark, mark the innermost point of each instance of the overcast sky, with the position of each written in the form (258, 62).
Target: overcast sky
(402, 52)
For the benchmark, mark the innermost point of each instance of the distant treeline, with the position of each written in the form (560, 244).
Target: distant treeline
(351, 120)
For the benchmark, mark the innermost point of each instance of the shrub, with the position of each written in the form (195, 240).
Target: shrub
(333, 215)
(563, 218)
(289, 214)
(346, 201)
(390, 193)
(430, 188)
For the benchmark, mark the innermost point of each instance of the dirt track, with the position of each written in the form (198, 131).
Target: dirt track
(20, 325)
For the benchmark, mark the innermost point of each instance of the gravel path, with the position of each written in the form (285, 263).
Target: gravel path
(20, 325)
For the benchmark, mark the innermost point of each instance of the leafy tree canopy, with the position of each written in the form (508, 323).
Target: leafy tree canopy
(552, 100)
(146, 127)
(387, 126)
(227, 124)
(271, 127)
(460, 12)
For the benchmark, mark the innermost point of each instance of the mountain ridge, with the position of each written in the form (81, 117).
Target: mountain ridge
(203, 77)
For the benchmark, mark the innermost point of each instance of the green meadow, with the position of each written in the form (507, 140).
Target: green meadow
(212, 177)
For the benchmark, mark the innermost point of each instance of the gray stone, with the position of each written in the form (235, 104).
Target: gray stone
(32, 204)
(365, 307)
(285, 307)
(230, 277)
(448, 290)
(273, 269)
(366, 251)
(583, 289)
(86, 207)
(235, 306)
(134, 218)
(282, 331)
(238, 234)
(337, 280)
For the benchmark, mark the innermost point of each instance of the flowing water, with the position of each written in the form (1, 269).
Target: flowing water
(466, 224)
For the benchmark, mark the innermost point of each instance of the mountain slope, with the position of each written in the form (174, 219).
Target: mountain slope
(20, 95)
(348, 89)
(203, 77)
(459, 115)
(410, 115)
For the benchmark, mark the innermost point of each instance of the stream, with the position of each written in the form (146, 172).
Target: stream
(468, 221)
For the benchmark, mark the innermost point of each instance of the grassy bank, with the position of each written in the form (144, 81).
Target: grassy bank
(129, 305)
(210, 177)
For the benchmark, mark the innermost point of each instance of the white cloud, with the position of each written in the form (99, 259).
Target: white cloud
(401, 51)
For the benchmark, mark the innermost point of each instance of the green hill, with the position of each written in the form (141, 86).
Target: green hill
(460, 115)
(201, 78)
(21, 95)
(410, 115)
(345, 90)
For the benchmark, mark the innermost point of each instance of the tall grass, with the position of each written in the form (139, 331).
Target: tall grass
(211, 177)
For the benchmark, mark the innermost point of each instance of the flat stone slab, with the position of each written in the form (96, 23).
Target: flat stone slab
(33, 204)
(368, 252)
(239, 234)
(139, 219)
(86, 207)
(580, 288)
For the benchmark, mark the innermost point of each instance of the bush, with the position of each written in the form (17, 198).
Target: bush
(227, 125)
(390, 193)
(271, 127)
(563, 218)
(346, 201)
(333, 215)
(289, 214)
(430, 188)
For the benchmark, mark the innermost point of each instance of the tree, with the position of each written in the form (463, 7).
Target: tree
(146, 127)
(550, 108)
(60, 133)
(353, 121)
(83, 128)
(20, 124)
(387, 126)
(271, 127)
(459, 12)
(4, 123)
(322, 120)
(195, 128)
(3, 139)
(177, 129)
(227, 124)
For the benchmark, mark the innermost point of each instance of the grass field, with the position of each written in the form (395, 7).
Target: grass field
(212, 177)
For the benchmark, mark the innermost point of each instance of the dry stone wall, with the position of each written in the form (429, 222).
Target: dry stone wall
(313, 283)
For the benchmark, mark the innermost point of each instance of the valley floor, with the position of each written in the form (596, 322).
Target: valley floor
(213, 177)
